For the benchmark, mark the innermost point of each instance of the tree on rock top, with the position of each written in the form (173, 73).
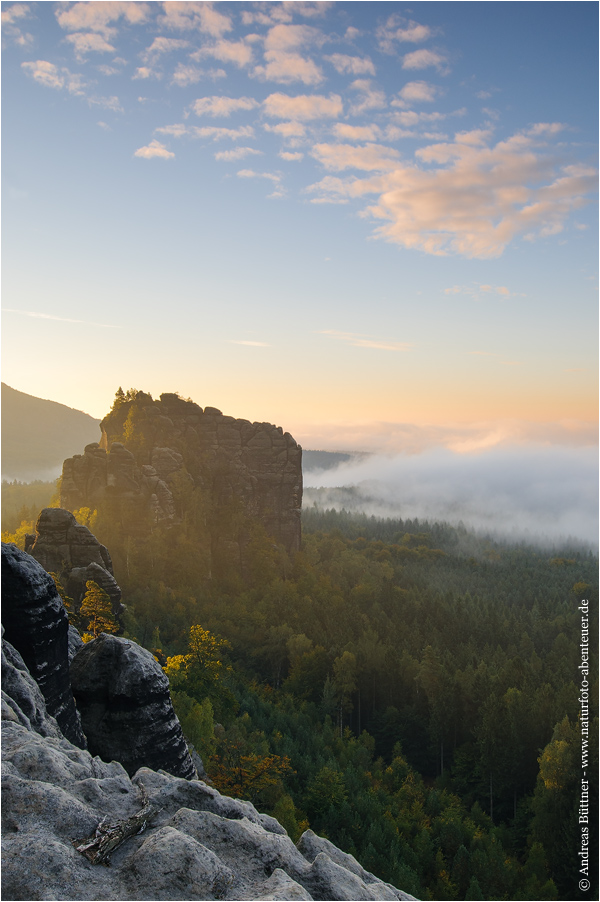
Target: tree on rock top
(96, 609)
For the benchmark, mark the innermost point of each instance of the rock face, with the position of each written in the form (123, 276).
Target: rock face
(154, 455)
(200, 845)
(126, 710)
(36, 624)
(63, 546)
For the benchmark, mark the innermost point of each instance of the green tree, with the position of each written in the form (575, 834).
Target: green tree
(96, 612)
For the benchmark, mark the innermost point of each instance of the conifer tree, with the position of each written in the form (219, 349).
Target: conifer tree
(96, 610)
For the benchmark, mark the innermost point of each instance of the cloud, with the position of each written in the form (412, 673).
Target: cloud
(161, 45)
(237, 52)
(58, 319)
(154, 149)
(303, 107)
(146, 72)
(237, 153)
(472, 199)
(286, 68)
(370, 99)
(292, 37)
(250, 344)
(477, 291)
(186, 75)
(217, 134)
(530, 492)
(274, 177)
(291, 157)
(416, 92)
(356, 132)
(222, 106)
(423, 59)
(351, 65)
(371, 157)
(88, 43)
(192, 16)
(402, 31)
(11, 30)
(106, 103)
(356, 341)
(51, 76)
(287, 129)
(98, 16)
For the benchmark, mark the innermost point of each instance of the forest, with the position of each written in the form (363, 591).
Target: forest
(408, 689)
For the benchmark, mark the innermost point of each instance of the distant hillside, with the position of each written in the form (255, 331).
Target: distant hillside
(328, 460)
(38, 435)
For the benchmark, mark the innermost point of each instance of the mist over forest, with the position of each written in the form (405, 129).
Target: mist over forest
(545, 495)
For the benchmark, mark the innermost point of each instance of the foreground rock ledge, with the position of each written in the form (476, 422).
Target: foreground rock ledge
(201, 845)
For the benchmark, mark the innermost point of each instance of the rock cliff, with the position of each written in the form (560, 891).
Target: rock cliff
(155, 456)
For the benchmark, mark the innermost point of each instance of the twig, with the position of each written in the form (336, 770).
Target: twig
(107, 837)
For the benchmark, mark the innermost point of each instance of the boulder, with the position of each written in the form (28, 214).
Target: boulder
(126, 709)
(36, 624)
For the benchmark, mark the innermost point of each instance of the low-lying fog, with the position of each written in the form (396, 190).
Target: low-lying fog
(541, 494)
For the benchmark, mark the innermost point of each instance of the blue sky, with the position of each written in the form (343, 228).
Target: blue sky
(370, 223)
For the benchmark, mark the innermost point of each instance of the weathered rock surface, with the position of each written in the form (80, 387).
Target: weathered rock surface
(200, 845)
(36, 624)
(62, 546)
(126, 711)
(174, 448)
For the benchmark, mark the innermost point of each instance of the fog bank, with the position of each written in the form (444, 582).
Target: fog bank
(542, 494)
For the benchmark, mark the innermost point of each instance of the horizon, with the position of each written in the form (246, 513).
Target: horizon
(362, 223)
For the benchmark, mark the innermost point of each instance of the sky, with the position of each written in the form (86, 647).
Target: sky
(372, 224)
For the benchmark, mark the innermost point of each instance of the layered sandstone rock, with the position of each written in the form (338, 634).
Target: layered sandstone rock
(154, 455)
(63, 546)
(123, 696)
(36, 624)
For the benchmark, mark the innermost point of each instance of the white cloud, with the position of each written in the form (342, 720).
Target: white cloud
(98, 16)
(58, 319)
(359, 341)
(423, 59)
(370, 157)
(51, 76)
(106, 103)
(222, 106)
(186, 75)
(473, 199)
(10, 29)
(217, 134)
(175, 131)
(304, 107)
(237, 52)
(238, 153)
(286, 68)
(416, 92)
(162, 45)
(143, 72)
(251, 174)
(291, 157)
(369, 98)
(292, 37)
(352, 65)
(154, 149)
(480, 291)
(356, 132)
(195, 16)
(401, 30)
(287, 129)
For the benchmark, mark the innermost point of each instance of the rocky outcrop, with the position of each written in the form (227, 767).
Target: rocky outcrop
(200, 845)
(62, 546)
(154, 455)
(126, 711)
(36, 624)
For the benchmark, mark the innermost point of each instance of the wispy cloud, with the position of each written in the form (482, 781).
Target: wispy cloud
(358, 341)
(303, 107)
(238, 153)
(11, 30)
(100, 17)
(222, 106)
(49, 75)
(399, 30)
(91, 42)
(237, 52)
(424, 59)
(479, 291)
(351, 65)
(194, 16)
(58, 319)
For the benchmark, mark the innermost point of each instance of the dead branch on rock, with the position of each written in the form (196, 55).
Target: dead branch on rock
(107, 837)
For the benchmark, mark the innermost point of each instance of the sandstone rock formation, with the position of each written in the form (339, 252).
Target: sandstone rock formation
(154, 454)
(63, 546)
(123, 696)
(36, 624)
